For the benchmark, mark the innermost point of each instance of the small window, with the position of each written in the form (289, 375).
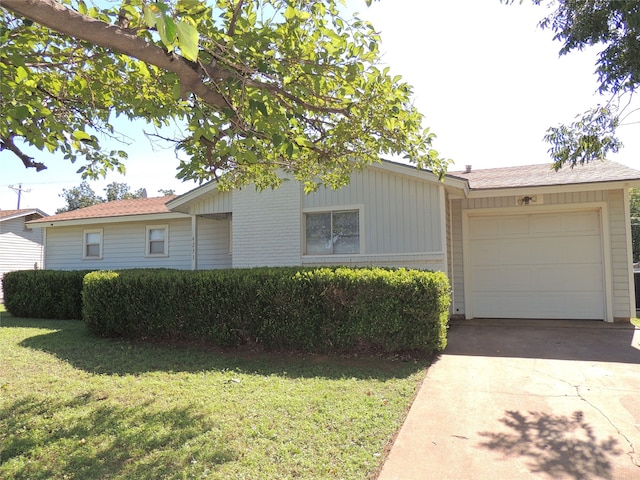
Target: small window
(333, 233)
(158, 240)
(92, 244)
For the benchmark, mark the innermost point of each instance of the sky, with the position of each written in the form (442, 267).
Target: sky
(487, 79)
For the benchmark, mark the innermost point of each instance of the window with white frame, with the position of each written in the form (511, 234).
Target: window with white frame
(157, 240)
(92, 244)
(332, 233)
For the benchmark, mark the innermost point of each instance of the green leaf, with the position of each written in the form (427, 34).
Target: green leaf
(21, 112)
(176, 91)
(188, 40)
(188, 3)
(80, 135)
(21, 74)
(149, 16)
(250, 157)
(290, 12)
(167, 30)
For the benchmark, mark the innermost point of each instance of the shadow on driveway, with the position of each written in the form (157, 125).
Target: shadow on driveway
(558, 445)
(511, 399)
(547, 339)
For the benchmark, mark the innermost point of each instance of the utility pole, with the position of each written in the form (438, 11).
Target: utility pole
(19, 191)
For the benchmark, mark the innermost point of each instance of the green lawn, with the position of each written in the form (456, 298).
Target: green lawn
(79, 407)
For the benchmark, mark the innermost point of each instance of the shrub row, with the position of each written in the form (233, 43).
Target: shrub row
(44, 293)
(326, 309)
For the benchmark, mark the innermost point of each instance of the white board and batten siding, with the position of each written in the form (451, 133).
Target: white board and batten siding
(214, 243)
(123, 246)
(402, 221)
(21, 248)
(577, 250)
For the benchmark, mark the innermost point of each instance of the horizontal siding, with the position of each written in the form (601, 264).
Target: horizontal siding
(124, 246)
(213, 243)
(266, 226)
(401, 214)
(620, 265)
(20, 248)
(457, 266)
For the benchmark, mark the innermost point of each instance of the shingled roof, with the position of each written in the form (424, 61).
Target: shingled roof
(117, 208)
(544, 175)
(23, 212)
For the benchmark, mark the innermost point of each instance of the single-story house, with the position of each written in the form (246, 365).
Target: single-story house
(517, 242)
(21, 248)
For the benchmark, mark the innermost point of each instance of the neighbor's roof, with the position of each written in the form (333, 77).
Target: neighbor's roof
(544, 175)
(23, 212)
(117, 208)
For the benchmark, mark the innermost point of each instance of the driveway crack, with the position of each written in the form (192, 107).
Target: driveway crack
(632, 452)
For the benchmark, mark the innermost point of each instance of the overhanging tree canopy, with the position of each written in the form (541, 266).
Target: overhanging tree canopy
(614, 25)
(259, 85)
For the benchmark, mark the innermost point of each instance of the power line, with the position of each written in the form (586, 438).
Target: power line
(19, 191)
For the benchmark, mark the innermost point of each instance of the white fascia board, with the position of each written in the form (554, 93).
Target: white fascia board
(414, 172)
(149, 217)
(24, 213)
(570, 188)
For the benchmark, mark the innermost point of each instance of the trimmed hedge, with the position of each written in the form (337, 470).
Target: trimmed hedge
(52, 294)
(316, 310)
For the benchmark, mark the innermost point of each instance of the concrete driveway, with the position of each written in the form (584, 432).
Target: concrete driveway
(526, 399)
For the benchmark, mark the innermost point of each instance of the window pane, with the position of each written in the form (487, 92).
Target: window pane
(93, 251)
(346, 232)
(156, 247)
(318, 233)
(92, 238)
(156, 234)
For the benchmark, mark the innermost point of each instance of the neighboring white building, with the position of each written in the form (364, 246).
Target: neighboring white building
(520, 242)
(21, 248)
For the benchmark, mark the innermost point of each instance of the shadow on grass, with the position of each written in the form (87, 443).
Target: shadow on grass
(98, 440)
(557, 445)
(70, 341)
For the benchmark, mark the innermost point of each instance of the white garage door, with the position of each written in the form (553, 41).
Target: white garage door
(537, 266)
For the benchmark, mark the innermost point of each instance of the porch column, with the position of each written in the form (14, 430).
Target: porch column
(194, 242)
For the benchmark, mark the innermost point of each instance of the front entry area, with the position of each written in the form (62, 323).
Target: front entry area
(535, 265)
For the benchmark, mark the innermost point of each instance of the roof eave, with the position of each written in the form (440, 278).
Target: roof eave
(563, 188)
(24, 214)
(186, 198)
(141, 217)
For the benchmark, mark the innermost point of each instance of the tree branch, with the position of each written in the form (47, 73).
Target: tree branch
(236, 13)
(7, 144)
(59, 18)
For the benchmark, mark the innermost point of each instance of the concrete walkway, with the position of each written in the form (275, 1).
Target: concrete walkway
(526, 399)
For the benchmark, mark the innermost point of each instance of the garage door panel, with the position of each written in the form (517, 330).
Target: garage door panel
(578, 305)
(583, 222)
(545, 250)
(488, 279)
(512, 250)
(483, 227)
(537, 266)
(530, 305)
(513, 225)
(585, 278)
(487, 252)
(583, 249)
(547, 224)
